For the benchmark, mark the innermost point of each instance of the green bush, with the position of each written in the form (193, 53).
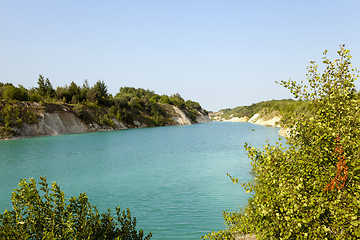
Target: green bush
(192, 105)
(310, 188)
(45, 214)
(9, 92)
(104, 120)
(13, 116)
(177, 100)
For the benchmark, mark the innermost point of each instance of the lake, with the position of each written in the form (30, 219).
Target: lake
(173, 178)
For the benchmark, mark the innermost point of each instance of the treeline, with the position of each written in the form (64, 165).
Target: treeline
(266, 107)
(97, 94)
(93, 104)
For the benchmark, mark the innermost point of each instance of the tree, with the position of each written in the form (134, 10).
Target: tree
(309, 188)
(84, 90)
(177, 100)
(165, 99)
(193, 105)
(12, 93)
(45, 88)
(74, 91)
(100, 91)
(45, 214)
(24, 95)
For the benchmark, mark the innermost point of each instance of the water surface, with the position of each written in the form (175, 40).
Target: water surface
(173, 179)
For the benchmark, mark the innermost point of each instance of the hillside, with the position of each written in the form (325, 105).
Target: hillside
(268, 113)
(73, 109)
(266, 109)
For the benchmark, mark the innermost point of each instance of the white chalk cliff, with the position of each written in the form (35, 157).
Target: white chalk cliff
(66, 122)
(255, 119)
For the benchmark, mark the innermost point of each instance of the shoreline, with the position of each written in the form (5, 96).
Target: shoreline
(91, 131)
(62, 121)
(258, 120)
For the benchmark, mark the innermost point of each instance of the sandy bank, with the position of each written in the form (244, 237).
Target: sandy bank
(255, 119)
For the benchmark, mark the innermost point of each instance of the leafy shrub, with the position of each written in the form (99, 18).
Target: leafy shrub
(177, 100)
(12, 93)
(9, 92)
(309, 189)
(104, 120)
(13, 116)
(165, 99)
(124, 116)
(45, 214)
(192, 105)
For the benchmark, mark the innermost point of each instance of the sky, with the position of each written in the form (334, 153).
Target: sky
(221, 54)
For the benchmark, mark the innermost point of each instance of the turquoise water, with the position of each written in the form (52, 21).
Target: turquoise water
(173, 179)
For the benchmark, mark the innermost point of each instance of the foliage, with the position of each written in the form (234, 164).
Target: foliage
(177, 100)
(45, 214)
(93, 113)
(45, 88)
(148, 103)
(73, 93)
(281, 107)
(192, 105)
(104, 120)
(310, 188)
(13, 116)
(98, 93)
(95, 105)
(9, 92)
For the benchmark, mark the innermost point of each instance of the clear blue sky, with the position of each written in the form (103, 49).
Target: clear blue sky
(219, 53)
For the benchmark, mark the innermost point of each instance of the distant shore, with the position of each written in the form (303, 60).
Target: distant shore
(270, 121)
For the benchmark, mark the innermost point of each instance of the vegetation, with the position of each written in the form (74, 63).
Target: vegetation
(310, 188)
(13, 116)
(45, 214)
(280, 107)
(92, 104)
